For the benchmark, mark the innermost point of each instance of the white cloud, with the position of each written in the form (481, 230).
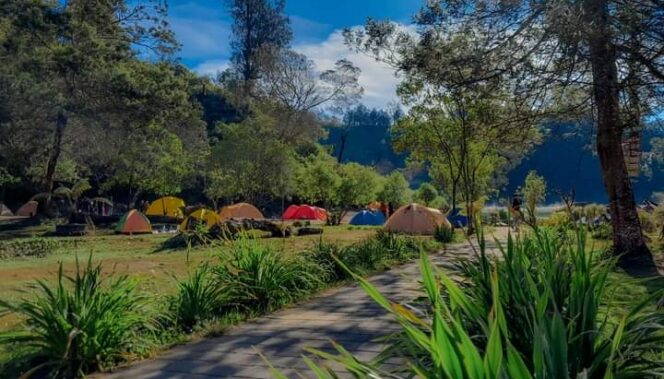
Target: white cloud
(203, 31)
(212, 67)
(377, 78)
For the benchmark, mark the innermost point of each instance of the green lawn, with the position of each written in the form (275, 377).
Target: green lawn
(141, 257)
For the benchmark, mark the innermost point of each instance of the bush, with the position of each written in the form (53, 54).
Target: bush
(533, 313)
(256, 278)
(198, 298)
(443, 234)
(647, 222)
(32, 247)
(79, 324)
(602, 232)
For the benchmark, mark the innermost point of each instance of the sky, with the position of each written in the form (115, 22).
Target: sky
(203, 27)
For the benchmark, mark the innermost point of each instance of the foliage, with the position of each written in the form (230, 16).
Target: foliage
(32, 247)
(443, 234)
(81, 323)
(426, 194)
(257, 278)
(198, 298)
(533, 313)
(602, 232)
(647, 222)
(534, 193)
(395, 189)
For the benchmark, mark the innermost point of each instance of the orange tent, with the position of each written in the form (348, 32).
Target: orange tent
(133, 222)
(240, 210)
(416, 219)
(28, 209)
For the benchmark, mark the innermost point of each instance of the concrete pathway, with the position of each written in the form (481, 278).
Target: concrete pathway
(346, 315)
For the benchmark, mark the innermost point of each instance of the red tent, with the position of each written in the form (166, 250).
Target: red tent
(304, 212)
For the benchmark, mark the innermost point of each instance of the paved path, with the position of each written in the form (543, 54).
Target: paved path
(346, 315)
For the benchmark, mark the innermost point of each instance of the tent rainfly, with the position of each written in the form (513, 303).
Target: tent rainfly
(133, 222)
(240, 211)
(168, 206)
(368, 217)
(304, 212)
(28, 209)
(4, 211)
(416, 219)
(202, 216)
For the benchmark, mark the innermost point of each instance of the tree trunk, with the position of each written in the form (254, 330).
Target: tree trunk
(627, 237)
(54, 157)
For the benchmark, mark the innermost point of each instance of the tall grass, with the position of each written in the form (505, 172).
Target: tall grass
(80, 323)
(537, 311)
(198, 298)
(257, 278)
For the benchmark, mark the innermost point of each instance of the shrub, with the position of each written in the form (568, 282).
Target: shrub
(647, 222)
(534, 313)
(197, 299)
(256, 278)
(80, 324)
(32, 247)
(602, 232)
(443, 234)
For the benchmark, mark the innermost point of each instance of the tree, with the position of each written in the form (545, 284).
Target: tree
(318, 179)
(534, 193)
(564, 59)
(426, 193)
(247, 163)
(260, 27)
(395, 190)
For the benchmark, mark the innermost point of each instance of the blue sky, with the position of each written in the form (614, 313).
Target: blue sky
(203, 29)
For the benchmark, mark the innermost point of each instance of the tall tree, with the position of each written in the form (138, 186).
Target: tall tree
(586, 55)
(260, 27)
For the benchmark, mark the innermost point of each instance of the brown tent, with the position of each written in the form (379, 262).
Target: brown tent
(239, 211)
(28, 209)
(4, 211)
(416, 219)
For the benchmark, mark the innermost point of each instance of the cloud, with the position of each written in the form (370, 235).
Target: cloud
(377, 79)
(203, 31)
(212, 67)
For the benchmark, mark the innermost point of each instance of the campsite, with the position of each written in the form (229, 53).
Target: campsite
(327, 189)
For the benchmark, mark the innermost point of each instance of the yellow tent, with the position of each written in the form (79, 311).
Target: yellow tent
(416, 219)
(167, 206)
(202, 216)
(240, 210)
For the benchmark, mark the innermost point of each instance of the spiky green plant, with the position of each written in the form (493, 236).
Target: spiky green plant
(257, 278)
(539, 310)
(198, 298)
(80, 323)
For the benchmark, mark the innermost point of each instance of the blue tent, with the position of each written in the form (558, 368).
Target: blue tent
(368, 218)
(457, 219)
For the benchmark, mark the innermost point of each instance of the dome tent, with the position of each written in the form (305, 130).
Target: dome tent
(202, 216)
(239, 211)
(304, 212)
(133, 222)
(416, 219)
(168, 206)
(4, 211)
(28, 209)
(457, 219)
(368, 217)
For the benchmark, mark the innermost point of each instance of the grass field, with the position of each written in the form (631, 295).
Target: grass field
(140, 257)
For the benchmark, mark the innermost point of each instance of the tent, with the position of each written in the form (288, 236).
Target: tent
(167, 206)
(133, 222)
(202, 216)
(368, 218)
(416, 219)
(457, 219)
(28, 209)
(240, 210)
(4, 211)
(304, 212)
